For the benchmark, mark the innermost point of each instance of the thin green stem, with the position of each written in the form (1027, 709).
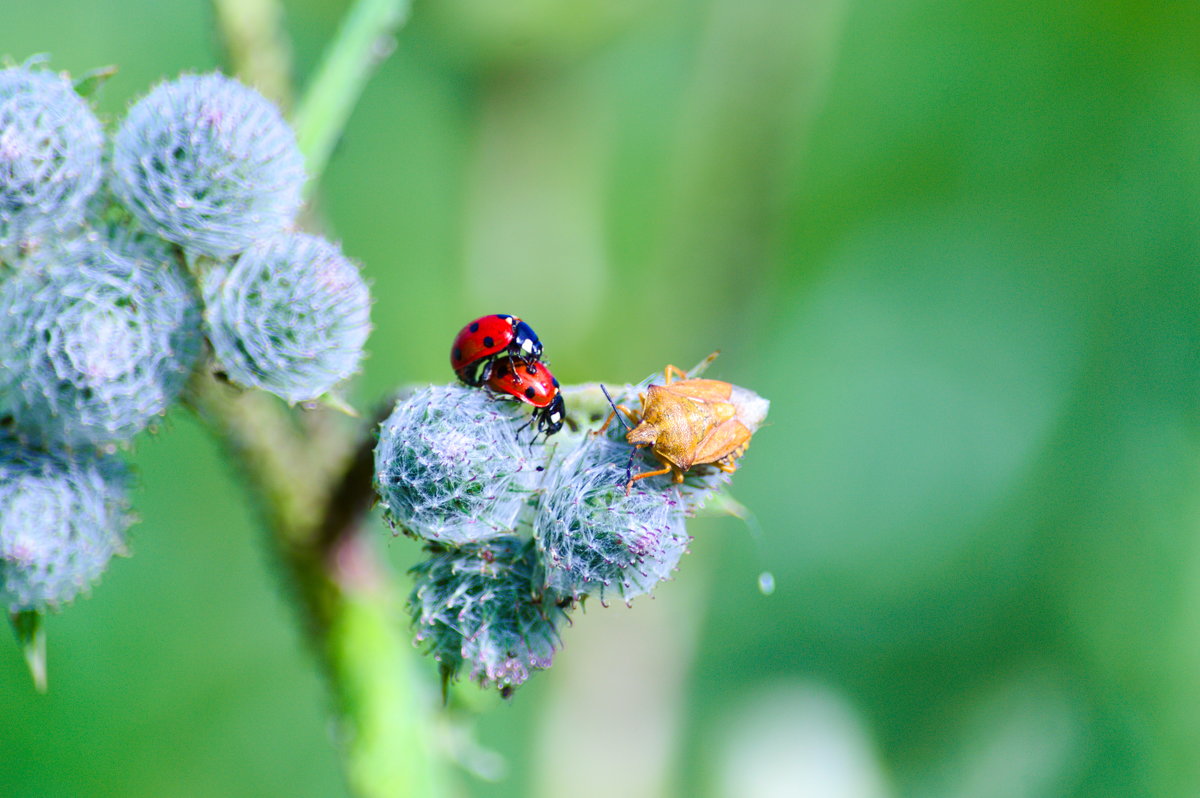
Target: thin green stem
(311, 472)
(363, 41)
(314, 494)
(256, 47)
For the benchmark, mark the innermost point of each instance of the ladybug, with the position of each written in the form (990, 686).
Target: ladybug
(478, 345)
(533, 384)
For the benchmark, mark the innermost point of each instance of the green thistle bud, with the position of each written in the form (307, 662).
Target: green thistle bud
(449, 467)
(62, 518)
(209, 164)
(481, 606)
(98, 341)
(595, 537)
(50, 148)
(290, 316)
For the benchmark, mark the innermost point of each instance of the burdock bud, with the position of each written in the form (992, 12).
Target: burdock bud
(482, 606)
(595, 536)
(50, 148)
(290, 316)
(62, 518)
(97, 342)
(209, 164)
(449, 467)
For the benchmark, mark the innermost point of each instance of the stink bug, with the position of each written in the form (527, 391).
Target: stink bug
(691, 422)
(534, 384)
(481, 342)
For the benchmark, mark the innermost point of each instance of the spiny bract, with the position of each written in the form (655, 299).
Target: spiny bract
(290, 316)
(62, 518)
(209, 164)
(482, 605)
(595, 537)
(50, 153)
(97, 341)
(449, 467)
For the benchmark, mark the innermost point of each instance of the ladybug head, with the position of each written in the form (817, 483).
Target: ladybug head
(525, 343)
(552, 416)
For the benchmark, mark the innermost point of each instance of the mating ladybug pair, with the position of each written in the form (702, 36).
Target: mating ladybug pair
(504, 353)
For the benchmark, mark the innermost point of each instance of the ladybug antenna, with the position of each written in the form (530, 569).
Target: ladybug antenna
(613, 405)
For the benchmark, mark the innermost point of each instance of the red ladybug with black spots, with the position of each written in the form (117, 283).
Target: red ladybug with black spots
(533, 384)
(478, 345)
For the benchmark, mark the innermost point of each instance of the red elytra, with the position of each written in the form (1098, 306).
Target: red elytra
(481, 341)
(530, 382)
(533, 384)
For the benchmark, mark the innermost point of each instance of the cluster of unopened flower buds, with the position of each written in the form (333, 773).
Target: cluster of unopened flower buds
(125, 261)
(521, 528)
(132, 262)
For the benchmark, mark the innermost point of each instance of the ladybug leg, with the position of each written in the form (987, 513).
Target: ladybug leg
(486, 374)
(470, 375)
(521, 428)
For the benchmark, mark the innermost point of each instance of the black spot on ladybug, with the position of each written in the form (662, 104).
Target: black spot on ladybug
(529, 393)
(474, 326)
(488, 341)
(457, 353)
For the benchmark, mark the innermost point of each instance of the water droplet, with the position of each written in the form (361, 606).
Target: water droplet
(766, 583)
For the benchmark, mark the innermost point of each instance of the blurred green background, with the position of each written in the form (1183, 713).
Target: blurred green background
(956, 244)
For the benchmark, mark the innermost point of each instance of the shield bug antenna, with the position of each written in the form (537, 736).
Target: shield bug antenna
(625, 424)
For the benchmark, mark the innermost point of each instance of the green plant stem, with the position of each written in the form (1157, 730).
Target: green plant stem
(256, 47)
(311, 472)
(364, 39)
(314, 494)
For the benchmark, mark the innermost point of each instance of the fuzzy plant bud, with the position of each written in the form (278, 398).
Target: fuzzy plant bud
(208, 163)
(62, 518)
(449, 467)
(50, 153)
(290, 315)
(99, 339)
(482, 606)
(596, 537)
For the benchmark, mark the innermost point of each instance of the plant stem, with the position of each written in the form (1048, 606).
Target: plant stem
(256, 47)
(364, 40)
(314, 495)
(311, 475)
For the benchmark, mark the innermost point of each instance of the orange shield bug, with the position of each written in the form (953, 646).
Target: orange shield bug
(688, 421)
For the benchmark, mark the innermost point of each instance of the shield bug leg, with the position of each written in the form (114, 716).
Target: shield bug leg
(673, 370)
(615, 407)
(664, 470)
